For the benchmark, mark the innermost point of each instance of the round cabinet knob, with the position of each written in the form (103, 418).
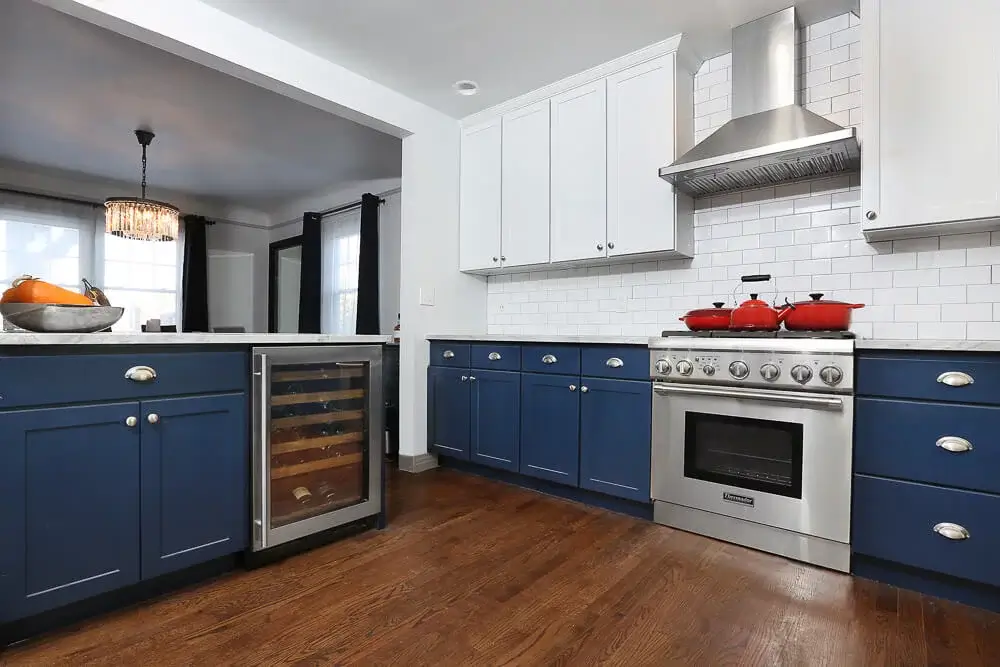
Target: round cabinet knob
(801, 374)
(708, 370)
(739, 370)
(495, 259)
(131, 421)
(685, 367)
(572, 387)
(662, 366)
(502, 258)
(770, 372)
(584, 390)
(153, 418)
(600, 246)
(611, 245)
(831, 375)
(871, 215)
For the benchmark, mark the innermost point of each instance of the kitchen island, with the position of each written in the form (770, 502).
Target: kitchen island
(125, 459)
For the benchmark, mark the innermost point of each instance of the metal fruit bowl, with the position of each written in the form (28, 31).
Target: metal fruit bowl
(51, 318)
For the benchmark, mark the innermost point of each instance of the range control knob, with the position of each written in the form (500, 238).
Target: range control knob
(685, 367)
(801, 374)
(831, 375)
(770, 372)
(708, 369)
(739, 370)
(662, 367)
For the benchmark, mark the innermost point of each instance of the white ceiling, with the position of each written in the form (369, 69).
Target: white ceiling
(71, 95)
(510, 47)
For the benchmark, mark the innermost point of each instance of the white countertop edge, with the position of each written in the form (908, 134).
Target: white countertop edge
(544, 338)
(25, 338)
(928, 345)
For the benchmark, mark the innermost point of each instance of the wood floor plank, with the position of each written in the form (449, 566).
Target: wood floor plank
(474, 572)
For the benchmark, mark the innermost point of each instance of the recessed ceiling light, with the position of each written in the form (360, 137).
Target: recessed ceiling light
(465, 87)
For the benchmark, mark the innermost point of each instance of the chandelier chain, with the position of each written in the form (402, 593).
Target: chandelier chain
(144, 171)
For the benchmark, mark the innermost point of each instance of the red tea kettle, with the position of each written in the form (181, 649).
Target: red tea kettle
(756, 314)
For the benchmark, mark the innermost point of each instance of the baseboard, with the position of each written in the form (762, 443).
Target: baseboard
(929, 583)
(417, 463)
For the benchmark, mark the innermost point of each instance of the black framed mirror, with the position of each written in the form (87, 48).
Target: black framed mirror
(284, 273)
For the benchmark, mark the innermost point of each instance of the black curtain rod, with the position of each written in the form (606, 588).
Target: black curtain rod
(67, 200)
(345, 207)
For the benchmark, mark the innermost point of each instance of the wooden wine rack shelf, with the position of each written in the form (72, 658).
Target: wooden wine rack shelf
(305, 512)
(330, 374)
(313, 466)
(317, 397)
(319, 418)
(316, 443)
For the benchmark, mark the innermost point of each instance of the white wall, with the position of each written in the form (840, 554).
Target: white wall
(227, 242)
(429, 205)
(806, 235)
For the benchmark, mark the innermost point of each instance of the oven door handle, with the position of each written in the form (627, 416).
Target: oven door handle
(788, 397)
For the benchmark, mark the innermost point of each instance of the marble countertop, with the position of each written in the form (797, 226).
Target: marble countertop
(24, 338)
(928, 345)
(545, 338)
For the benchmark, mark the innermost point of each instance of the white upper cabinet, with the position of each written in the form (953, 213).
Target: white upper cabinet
(931, 130)
(479, 203)
(525, 186)
(640, 204)
(579, 176)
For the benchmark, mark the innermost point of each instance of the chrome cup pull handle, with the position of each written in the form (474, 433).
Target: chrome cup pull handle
(955, 379)
(140, 374)
(549, 359)
(952, 531)
(448, 354)
(955, 444)
(493, 356)
(614, 362)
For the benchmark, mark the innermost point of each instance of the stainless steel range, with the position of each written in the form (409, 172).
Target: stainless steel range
(752, 440)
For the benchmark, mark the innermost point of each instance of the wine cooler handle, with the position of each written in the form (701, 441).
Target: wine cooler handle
(262, 492)
(349, 364)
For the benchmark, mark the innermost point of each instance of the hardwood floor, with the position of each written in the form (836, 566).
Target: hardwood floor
(474, 572)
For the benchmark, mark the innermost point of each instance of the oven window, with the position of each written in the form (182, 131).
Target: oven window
(755, 454)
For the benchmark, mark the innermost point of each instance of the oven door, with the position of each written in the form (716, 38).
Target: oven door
(773, 457)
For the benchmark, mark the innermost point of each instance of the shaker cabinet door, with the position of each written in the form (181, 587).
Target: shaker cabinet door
(550, 427)
(448, 401)
(496, 402)
(615, 418)
(525, 186)
(69, 505)
(479, 200)
(195, 503)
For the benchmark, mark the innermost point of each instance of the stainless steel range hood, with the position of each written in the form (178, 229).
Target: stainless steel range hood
(771, 139)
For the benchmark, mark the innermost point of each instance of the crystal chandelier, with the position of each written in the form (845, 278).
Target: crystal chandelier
(140, 218)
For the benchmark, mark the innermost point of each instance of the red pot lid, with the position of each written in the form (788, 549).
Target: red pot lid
(706, 312)
(754, 302)
(817, 298)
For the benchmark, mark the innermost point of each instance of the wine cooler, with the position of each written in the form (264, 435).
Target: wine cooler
(317, 455)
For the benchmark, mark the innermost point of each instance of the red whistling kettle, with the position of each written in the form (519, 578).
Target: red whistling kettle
(757, 315)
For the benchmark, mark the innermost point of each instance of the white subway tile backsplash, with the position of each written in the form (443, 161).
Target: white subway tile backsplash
(831, 25)
(761, 226)
(969, 275)
(938, 259)
(983, 330)
(895, 262)
(831, 249)
(982, 256)
(791, 222)
(828, 58)
(837, 216)
(916, 278)
(941, 295)
(922, 313)
(894, 296)
(786, 253)
(941, 330)
(812, 235)
(967, 312)
(812, 267)
(812, 203)
(965, 241)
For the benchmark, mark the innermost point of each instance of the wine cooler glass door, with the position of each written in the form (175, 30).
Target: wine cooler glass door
(318, 455)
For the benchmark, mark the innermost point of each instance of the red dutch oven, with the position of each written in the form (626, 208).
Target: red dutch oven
(757, 315)
(708, 319)
(819, 314)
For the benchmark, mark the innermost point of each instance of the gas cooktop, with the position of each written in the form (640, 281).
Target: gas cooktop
(781, 333)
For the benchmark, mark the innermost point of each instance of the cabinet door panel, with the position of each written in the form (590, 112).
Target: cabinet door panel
(525, 186)
(195, 505)
(931, 113)
(615, 418)
(640, 141)
(479, 215)
(496, 402)
(550, 427)
(448, 399)
(69, 505)
(579, 173)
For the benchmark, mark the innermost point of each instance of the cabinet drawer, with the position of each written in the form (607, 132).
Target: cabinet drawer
(926, 377)
(896, 521)
(900, 439)
(495, 357)
(623, 363)
(48, 380)
(449, 353)
(561, 359)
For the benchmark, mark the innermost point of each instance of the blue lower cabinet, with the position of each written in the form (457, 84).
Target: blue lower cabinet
(194, 480)
(615, 419)
(69, 505)
(496, 418)
(550, 427)
(448, 399)
(942, 530)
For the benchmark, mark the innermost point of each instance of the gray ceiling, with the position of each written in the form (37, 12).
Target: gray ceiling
(510, 47)
(71, 95)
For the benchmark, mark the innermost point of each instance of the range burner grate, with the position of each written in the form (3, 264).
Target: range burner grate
(781, 333)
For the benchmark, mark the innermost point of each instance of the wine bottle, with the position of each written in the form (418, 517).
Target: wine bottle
(303, 495)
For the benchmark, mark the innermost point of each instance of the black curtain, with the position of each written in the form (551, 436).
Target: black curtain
(194, 281)
(368, 267)
(311, 280)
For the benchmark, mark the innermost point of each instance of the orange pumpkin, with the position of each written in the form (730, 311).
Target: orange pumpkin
(28, 289)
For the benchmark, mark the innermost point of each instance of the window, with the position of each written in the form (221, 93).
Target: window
(63, 242)
(341, 251)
